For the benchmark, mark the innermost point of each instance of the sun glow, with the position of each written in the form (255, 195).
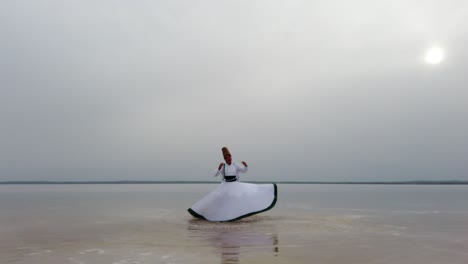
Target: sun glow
(434, 55)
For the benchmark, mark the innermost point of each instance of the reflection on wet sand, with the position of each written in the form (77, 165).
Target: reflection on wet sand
(234, 239)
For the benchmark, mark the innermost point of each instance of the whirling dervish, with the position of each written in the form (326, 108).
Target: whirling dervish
(232, 199)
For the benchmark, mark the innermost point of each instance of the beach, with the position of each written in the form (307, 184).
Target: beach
(149, 223)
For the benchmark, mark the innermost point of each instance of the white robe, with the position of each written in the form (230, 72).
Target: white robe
(232, 201)
(231, 170)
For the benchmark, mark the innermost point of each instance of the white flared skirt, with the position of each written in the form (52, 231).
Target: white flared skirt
(232, 201)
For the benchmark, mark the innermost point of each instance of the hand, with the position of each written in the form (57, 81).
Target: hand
(220, 166)
(245, 164)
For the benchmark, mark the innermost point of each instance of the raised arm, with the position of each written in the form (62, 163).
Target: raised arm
(242, 169)
(218, 171)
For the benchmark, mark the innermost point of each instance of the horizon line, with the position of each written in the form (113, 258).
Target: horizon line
(419, 182)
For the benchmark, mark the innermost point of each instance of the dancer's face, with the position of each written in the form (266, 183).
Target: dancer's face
(228, 159)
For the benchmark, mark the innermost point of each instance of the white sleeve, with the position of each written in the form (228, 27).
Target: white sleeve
(242, 169)
(219, 172)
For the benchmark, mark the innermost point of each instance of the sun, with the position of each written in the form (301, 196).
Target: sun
(434, 55)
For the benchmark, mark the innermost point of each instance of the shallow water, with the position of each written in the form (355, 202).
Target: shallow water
(122, 224)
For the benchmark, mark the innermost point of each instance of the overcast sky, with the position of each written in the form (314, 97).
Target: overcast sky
(301, 90)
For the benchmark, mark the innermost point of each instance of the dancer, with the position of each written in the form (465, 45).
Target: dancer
(232, 199)
(232, 169)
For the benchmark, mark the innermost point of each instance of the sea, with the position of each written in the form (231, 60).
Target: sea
(311, 223)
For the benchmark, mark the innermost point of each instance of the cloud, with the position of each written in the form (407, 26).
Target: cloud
(302, 90)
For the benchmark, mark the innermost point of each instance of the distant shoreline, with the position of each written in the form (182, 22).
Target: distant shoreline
(215, 182)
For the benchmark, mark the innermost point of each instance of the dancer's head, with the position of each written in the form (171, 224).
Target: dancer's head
(227, 155)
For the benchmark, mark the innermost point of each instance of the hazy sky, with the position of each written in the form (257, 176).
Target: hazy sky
(301, 90)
